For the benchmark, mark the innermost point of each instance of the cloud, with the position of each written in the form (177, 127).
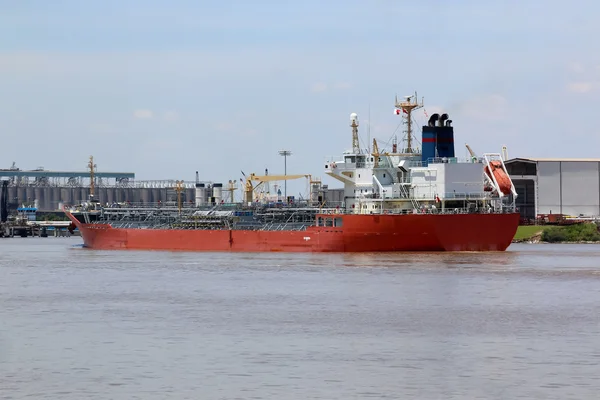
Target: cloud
(142, 114)
(342, 85)
(318, 87)
(581, 87)
(224, 127)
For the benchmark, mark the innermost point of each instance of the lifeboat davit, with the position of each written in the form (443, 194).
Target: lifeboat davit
(504, 183)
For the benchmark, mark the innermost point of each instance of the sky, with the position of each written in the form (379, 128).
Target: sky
(164, 89)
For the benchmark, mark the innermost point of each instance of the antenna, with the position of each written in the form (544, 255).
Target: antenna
(407, 107)
(369, 132)
(354, 125)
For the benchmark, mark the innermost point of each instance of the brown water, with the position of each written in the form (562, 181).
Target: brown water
(82, 324)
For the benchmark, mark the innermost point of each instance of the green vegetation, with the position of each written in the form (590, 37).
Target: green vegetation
(532, 232)
(51, 216)
(586, 232)
(525, 232)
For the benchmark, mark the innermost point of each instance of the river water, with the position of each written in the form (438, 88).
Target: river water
(83, 324)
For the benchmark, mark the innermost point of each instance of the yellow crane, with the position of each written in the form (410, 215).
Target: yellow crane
(179, 188)
(375, 153)
(250, 188)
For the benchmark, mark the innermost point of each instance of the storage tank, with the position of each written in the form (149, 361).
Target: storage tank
(103, 195)
(154, 195)
(39, 198)
(84, 194)
(217, 192)
(145, 195)
(110, 195)
(56, 197)
(12, 194)
(30, 194)
(136, 195)
(65, 196)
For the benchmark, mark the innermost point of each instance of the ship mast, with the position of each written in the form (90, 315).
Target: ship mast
(92, 168)
(407, 106)
(179, 189)
(354, 125)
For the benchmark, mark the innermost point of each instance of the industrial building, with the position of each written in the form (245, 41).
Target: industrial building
(556, 186)
(48, 190)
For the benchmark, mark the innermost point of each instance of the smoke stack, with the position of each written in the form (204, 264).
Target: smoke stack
(443, 118)
(197, 178)
(432, 119)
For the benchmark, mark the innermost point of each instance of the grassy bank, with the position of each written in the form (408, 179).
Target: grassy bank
(530, 232)
(586, 232)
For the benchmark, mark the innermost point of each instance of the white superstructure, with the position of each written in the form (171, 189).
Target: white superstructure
(411, 181)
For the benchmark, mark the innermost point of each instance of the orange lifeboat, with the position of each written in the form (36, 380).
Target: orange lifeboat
(501, 177)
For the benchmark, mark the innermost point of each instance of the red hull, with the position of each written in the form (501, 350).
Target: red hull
(359, 233)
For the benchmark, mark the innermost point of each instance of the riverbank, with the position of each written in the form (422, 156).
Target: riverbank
(578, 233)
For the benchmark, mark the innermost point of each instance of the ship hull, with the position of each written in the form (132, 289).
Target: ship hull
(357, 233)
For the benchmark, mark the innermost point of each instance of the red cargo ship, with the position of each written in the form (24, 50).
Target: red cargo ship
(409, 200)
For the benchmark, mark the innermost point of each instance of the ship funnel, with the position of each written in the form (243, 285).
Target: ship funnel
(200, 194)
(432, 119)
(443, 118)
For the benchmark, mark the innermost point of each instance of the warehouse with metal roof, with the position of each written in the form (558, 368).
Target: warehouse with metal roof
(565, 186)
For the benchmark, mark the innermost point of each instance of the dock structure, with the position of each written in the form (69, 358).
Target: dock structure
(49, 190)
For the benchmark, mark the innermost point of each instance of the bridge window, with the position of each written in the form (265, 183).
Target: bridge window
(337, 222)
(328, 222)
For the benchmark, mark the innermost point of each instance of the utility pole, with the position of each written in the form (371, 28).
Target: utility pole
(285, 153)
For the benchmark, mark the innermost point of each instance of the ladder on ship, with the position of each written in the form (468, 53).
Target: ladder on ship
(406, 194)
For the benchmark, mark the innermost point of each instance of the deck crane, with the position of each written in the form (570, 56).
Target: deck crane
(473, 155)
(375, 154)
(250, 187)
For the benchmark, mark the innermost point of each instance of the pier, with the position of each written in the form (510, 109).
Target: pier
(36, 229)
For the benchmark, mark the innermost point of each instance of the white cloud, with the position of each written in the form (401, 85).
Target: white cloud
(318, 87)
(581, 87)
(343, 85)
(142, 114)
(224, 127)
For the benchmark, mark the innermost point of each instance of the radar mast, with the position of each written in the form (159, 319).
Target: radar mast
(407, 107)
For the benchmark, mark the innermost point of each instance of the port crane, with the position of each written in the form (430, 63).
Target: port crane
(250, 187)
